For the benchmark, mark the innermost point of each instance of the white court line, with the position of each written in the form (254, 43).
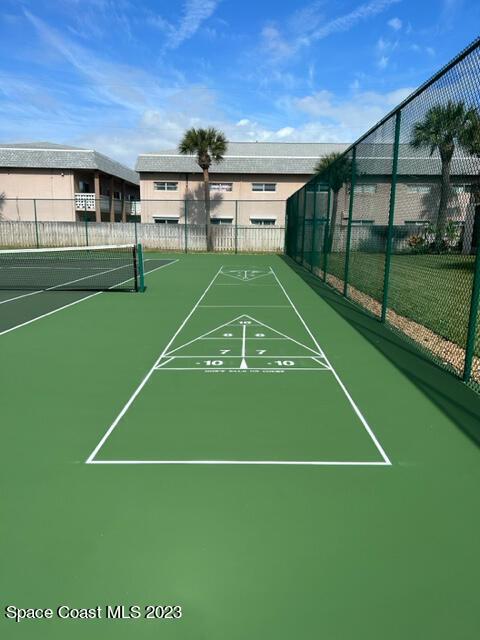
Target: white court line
(253, 368)
(33, 293)
(384, 463)
(205, 336)
(302, 463)
(149, 374)
(242, 306)
(44, 315)
(212, 357)
(64, 284)
(337, 377)
(23, 295)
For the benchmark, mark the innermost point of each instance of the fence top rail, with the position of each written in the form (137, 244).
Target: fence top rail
(212, 201)
(62, 249)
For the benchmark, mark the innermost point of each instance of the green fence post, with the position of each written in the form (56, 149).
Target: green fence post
(85, 217)
(315, 194)
(304, 222)
(391, 217)
(325, 238)
(141, 272)
(349, 229)
(236, 226)
(473, 319)
(135, 227)
(297, 222)
(37, 239)
(185, 217)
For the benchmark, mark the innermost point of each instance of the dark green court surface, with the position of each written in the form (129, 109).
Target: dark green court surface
(232, 443)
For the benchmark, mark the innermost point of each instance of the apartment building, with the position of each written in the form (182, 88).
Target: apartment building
(59, 182)
(249, 186)
(418, 189)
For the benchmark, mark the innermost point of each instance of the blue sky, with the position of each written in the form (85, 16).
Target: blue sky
(126, 77)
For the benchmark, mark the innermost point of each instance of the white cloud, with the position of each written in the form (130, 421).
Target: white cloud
(195, 12)
(395, 23)
(314, 27)
(349, 20)
(383, 62)
(285, 132)
(382, 45)
(275, 44)
(345, 120)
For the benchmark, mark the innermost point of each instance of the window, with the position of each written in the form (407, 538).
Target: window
(263, 222)
(358, 223)
(419, 188)
(365, 189)
(462, 188)
(221, 220)
(117, 195)
(165, 220)
(165, 186)
(264, 186)
(83, 187)
(221, 186)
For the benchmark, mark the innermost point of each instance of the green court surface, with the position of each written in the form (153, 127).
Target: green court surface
(235, 441)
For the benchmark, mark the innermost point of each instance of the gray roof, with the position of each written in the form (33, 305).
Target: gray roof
(376, 159)
(246, 157)
(48, 155)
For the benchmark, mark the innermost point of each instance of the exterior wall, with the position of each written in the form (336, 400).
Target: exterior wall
(20, 186)
(190, 187)
(409, 206)
(54, 192)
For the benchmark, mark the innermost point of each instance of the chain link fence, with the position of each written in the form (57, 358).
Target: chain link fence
(165, 225)
(394, 222)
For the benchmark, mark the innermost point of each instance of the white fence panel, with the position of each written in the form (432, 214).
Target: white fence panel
(162, 237)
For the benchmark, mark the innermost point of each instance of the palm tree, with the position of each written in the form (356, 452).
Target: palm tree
(336, 169)
(209, 145)
(443, 128)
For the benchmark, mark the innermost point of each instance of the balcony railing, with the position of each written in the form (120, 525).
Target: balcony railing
(85, 201)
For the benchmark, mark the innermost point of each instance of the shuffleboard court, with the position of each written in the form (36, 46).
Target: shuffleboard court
(243, 338)
(355, 548)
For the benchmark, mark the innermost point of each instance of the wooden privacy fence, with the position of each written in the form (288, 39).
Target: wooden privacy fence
(163, 237)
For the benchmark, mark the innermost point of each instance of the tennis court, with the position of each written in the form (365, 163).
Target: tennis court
(239, 442)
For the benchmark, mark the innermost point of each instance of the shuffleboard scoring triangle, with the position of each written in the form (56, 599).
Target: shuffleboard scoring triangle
(246, 274)
(257, 330)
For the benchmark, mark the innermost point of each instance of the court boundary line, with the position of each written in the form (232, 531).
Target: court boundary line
(71, 304)
(338, 379)
(56, 286)
(148, 376)
(293, 463)
(385, 462)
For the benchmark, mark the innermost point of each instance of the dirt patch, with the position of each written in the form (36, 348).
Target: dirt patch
(444, 351)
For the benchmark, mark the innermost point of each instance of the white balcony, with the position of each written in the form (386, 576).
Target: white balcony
(85, 201)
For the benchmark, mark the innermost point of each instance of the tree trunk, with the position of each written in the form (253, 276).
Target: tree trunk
(443, 206)
(208, 232)
(333, 220)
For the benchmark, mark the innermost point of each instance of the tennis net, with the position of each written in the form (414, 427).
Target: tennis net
(112, 267)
